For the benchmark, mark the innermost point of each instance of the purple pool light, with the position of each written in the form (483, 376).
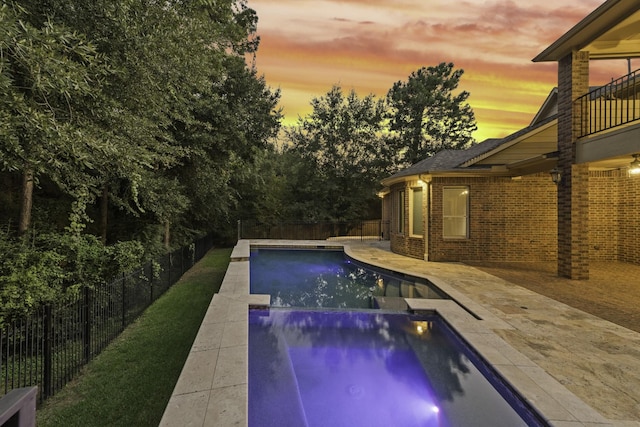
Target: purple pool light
(330, 368)
(337, 387)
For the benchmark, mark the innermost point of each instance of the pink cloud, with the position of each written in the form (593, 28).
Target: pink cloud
(306, 47)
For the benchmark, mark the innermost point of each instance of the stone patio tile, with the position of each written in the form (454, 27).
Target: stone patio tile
(514, 356)
(259, 300)
(569, 424)
(235, 333)
(232, 366)
(197, 373)
(238, 311)
(209, 337)
(236, 279)
(535, 394)
(217, 311)
(241, 251)
(227, 407)
(581, 411)
(490, 347)
(186, 410)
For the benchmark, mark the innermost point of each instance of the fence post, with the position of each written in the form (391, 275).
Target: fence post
(124, 305)
(239, 229)
(47, 380)
(150, 281)
(182, 250)
(87, 324)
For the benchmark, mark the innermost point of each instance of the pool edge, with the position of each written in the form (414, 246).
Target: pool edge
(209, 400)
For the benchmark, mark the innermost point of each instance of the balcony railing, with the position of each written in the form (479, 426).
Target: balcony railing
(611, 105)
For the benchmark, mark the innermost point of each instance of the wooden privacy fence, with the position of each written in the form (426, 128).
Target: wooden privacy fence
(49, 347)
(318, 230)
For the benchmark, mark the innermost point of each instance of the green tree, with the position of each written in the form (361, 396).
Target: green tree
(48, 71)
(169, 59)
(426, 116)
(226, 142)
(339, 146)
(147, 107)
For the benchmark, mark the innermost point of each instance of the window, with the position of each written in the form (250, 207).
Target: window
(400, 211)
(417, 225)
(455, 207)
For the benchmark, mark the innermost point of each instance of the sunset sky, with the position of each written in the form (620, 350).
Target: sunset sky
(307, 46)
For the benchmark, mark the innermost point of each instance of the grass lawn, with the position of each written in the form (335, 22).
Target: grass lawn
(130, 383)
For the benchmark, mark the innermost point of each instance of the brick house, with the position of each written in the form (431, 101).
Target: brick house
(497, 201)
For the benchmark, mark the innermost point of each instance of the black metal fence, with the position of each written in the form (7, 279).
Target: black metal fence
(322, 230)
(48, 348)
(611, 105)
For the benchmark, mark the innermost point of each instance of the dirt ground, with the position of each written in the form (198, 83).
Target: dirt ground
(611, 293)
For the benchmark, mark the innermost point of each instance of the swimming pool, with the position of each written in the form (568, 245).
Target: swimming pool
(370, 368)
(328, 278)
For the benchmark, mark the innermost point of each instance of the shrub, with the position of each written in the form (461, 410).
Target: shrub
(54, 265)
(28, 277)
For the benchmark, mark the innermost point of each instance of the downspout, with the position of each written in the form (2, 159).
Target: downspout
(426, 200)
(427, 221)
(381, 235)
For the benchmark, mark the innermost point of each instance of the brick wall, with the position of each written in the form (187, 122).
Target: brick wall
(509, 220)
(516, 220)
(403, 243)
(614, 216)
(604, 215)
(573, 190)
(629, 219)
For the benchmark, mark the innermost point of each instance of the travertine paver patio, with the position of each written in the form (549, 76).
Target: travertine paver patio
(565, 361)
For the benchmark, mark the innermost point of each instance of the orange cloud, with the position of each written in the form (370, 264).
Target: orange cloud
(306, 47)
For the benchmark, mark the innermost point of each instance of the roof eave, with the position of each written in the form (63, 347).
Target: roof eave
(530, 130)
(388, 182)
(585, 31)
(536, 164)
(468, 173)
(532, 165)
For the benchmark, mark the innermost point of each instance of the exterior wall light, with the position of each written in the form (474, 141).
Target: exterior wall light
(634, 167)
(556, 177)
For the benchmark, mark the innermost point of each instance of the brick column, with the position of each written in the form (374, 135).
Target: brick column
(573, 190)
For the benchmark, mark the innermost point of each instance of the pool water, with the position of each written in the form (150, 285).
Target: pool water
(365, 368)
(328, 278)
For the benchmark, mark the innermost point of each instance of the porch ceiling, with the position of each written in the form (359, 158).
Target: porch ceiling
(537, 164)
(621, 41)
(609, 150)
(610, 31)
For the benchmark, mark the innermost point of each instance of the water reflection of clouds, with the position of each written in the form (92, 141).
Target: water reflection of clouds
(413, 357)
(363, 355)
(300, 278)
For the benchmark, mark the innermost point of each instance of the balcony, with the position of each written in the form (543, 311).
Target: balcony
(609, 106)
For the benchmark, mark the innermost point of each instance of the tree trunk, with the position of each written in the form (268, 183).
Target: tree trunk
(104, 212)
(167, 235)
(24, 221)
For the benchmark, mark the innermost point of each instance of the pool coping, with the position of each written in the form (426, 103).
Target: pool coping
(212, 389)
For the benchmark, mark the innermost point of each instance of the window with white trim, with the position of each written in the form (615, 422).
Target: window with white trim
(455, 208)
